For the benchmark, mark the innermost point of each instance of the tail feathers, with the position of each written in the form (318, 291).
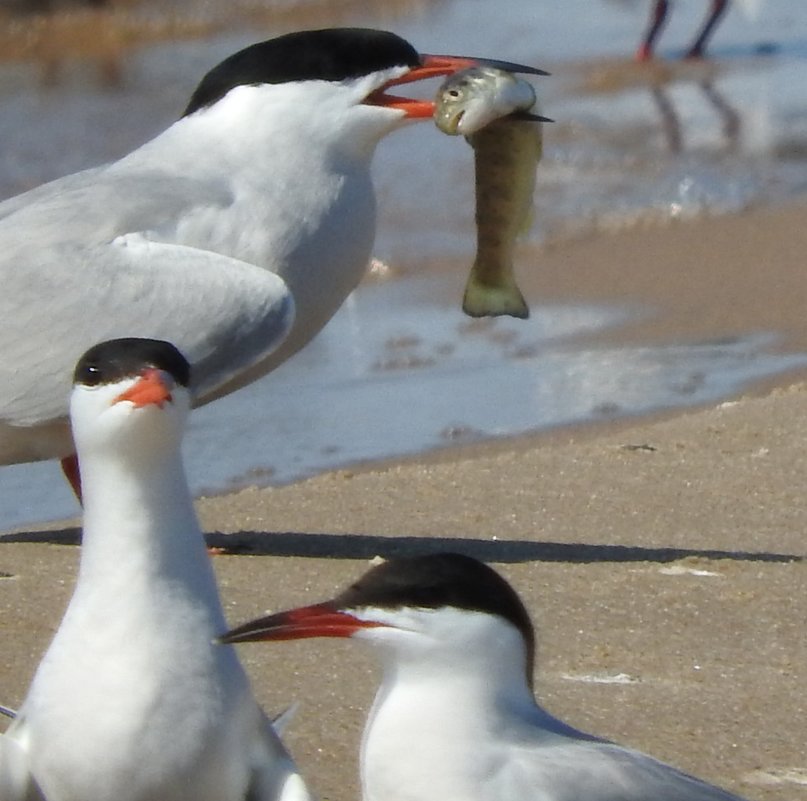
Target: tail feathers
(493, 300)
(281, 722)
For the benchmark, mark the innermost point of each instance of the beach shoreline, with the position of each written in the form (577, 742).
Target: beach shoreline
(663, 559)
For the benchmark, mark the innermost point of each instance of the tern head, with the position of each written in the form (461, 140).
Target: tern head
(356, 64)
(129, 396)
(445, 608)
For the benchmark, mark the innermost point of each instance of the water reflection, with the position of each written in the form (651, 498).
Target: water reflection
(691, 138)
(673, 126)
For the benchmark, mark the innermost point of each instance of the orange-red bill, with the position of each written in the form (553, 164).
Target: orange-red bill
(319, 620)
(434, 66)
(149, 389)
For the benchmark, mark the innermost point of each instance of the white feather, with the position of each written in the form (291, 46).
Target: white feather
(133, 701)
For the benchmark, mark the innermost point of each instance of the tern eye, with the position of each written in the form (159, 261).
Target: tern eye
(90, 375)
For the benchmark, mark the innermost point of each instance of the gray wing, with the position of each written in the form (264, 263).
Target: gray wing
(223, 314)
(32, 196)
(596, 771)
(99, 204)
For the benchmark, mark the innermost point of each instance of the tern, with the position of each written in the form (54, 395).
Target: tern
(455, 718)
(132, 700)
(255, 206)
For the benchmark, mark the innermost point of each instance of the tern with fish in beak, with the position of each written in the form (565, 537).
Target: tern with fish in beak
(235, 234)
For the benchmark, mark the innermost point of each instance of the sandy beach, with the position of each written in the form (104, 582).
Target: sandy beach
(662, 559)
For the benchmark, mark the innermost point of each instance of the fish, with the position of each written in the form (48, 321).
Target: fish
(492, 108)
(472, 98)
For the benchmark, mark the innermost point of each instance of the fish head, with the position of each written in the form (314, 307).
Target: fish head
(472, 98)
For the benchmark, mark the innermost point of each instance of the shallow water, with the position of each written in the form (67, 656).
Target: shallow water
(399, 371)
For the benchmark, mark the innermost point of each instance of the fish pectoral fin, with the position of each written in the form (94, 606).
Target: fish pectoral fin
(483, 299)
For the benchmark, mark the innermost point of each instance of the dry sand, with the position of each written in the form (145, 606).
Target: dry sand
(662, 560)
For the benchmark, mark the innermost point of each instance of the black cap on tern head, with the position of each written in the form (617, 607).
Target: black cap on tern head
(116, 359)
(440, 580)
(329, 54)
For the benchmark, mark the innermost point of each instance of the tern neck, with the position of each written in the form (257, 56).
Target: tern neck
(423, 718)
(430, 714)
(139, 523)
(133, 700)
(257, 126)
(486, 680)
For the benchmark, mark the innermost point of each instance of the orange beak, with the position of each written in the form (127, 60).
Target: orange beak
(151, 388)
(432, 66)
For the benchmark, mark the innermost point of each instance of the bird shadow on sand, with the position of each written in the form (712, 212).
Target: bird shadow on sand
(367, 546)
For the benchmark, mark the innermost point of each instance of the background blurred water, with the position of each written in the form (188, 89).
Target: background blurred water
(399, 371)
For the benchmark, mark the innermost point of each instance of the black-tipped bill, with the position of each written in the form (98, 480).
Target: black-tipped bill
(507, 66)
(319, 620)
(435, 66)
(528, 116)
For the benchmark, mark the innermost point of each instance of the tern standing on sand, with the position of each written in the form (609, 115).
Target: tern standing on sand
(455, 718)
(132, 700)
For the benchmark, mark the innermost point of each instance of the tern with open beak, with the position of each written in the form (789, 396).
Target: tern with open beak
(258, 200)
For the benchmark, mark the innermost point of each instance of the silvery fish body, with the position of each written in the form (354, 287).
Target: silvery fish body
(478, 103)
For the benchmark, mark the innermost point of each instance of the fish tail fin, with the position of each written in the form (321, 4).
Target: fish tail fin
(485, 299)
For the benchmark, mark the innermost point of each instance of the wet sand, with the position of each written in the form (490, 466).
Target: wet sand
(662, 559)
